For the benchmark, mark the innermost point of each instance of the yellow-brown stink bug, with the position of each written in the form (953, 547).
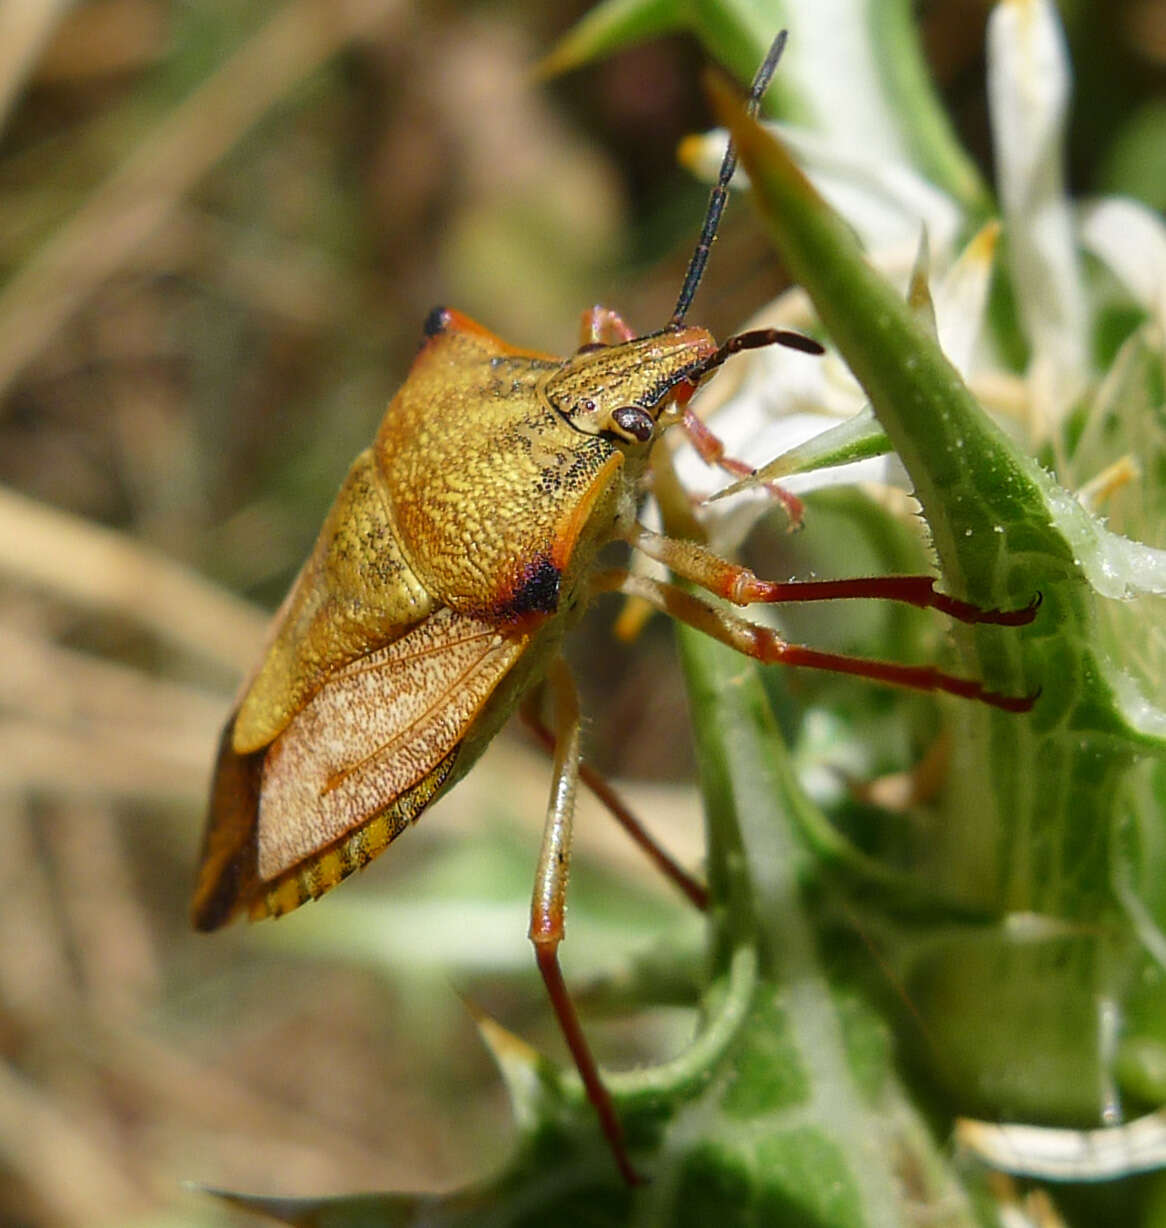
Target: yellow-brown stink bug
(462, 547)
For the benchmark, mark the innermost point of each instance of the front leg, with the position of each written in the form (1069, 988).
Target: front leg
(603, 326)
(712, 451)
(765, 645)
(740, 586)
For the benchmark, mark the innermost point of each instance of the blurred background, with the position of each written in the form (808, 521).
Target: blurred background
(221, 226)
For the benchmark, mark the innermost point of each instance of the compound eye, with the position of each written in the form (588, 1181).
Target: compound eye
(635, 422)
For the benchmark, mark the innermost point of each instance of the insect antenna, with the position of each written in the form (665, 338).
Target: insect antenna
(720, 192)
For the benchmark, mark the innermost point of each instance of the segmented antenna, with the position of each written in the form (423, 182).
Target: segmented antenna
(720, 193)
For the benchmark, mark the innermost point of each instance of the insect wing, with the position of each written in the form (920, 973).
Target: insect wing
(355, 593)
(358, 763)
(375, 729)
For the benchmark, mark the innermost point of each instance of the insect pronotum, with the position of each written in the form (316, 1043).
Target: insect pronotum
(461, 548)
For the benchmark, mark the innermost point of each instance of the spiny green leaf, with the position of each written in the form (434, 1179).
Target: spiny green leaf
(1035, 834)
(858, 438)
(926, 126)
(609, 27)
(885, 68)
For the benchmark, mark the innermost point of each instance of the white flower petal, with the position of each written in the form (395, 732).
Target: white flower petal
(961, 298)
(1028, 95)
(783, 399)
(834, 71)
(883, 199)
(1131, 239)
(1056, 1154)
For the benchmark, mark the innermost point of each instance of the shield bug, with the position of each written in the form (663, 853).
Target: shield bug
(460, 550)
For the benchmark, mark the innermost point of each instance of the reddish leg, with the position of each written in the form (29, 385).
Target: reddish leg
(603, 326)
(712, 452)
(740, 586)
(696, 891)
(548, 908)
(765, 645)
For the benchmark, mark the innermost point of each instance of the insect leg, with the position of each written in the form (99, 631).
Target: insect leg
(765, 645)
(604, 326)
(548, 907)
(691, 887)
(740, 586)
(712, 452)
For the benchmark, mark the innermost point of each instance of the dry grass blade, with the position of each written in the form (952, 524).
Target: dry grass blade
(101, 570)
(137, 198)
(79, 1177)
(36, 978)
(25, 28)
(112, 939)
(89, 692)
(65, 762)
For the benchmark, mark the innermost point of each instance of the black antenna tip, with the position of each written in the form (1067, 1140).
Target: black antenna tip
(720, 192)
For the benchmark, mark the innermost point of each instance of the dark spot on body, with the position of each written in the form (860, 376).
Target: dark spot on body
(537, 591)
(437, 321)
